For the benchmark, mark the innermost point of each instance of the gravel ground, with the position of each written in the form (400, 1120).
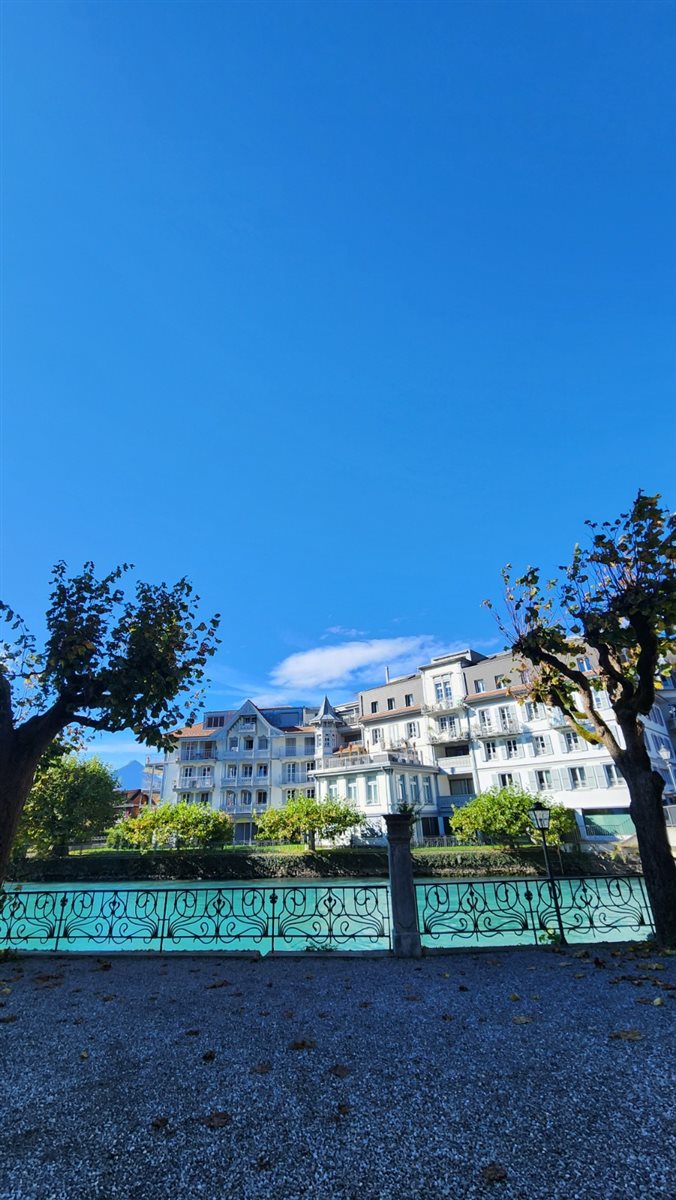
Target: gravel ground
(353, 1079)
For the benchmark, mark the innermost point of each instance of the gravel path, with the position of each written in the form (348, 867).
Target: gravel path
(361, 1079)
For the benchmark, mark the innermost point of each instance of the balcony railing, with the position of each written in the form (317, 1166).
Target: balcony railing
(498, 728)
(345, 762)
(448, 704)
(200, 755)
(449, 735)
(200, 783)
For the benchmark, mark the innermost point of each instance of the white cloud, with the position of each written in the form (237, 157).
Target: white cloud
(352, 664)
(342, 631)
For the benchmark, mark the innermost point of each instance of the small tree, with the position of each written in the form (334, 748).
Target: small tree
(72, 800)
(501, 815)
(172, 826)
(307, 818)
(109, 663)
(618, 598)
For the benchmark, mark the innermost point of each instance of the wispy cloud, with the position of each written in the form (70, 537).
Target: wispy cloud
(342, 631)
(353, 664)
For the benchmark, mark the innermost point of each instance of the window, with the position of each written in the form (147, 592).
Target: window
(584, 664)
(231, 771)
(484, 720)
(310, 766)
(430, 826)
(415, 789)
(526, 676)
(376, 736)
(290, 795)
(248, 743)
(263, 743)
(512, 748)
(390, 703)
(351, 791)
(578, 777)
(290, 772)
(371, 789)
(187, 773)
(461, 787)
(541, 744)
(374, 706)
(248, 722)
(456, 750)
(310, 793)
(247, 771)
(505, 718)
(411, 729)
(490, 751)
(401, 788)
(289, 747)
(442, 723)
(262, 771)
(438, 691)
(229, 799)
(261, 797)
(333, 790)
(214, 722)
(245, 798)
(505, 780)
(233, 743)
(479, 685)
(571, 740)
(427, 789)
(543, 781)
(613, 777)
(500, 683)
(310, 746)
(408, 700)
(186, 797)
(534, 711)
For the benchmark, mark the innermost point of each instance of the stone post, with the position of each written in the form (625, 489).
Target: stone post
(405, 933)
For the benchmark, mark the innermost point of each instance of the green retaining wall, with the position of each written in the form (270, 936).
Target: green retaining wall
(358, 862)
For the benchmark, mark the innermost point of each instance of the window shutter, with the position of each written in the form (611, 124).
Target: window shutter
(565, 779)
(557, 782)
(599, 776)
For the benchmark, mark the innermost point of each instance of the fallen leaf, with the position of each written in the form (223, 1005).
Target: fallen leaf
(217, 1120)
(581, 975)
(288, 1015)
(536, 996)
(107, 999)
(581, 954)
(8, 1020)
(6, 991)
(104, 966)
(303, 1044)
(208, 1056)
(521, 1020)
(261, 1068)
(192, 1033)
(462, 987)
(658, 1002)
(84, 1054)
(340, 1071)
(264, 1012)
(263, 1163)
(445, 974)
(159, 1123)
(515, 996)
(626, 1035)
(599, 962)
(365, 1004)
(412, 997)
(323, 1016)
(493, 1173)
(447, 1017)
(219, 984)
(654, 966)
(343, 1109)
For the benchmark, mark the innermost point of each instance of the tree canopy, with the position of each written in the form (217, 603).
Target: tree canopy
(72, 800)
(172, 826)
(616, 605)
(501, 815)
(305, 817)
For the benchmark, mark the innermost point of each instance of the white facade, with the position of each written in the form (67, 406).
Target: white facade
(458, 726)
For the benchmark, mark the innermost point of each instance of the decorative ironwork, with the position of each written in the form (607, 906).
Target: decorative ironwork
(518, 911)
(295, 918)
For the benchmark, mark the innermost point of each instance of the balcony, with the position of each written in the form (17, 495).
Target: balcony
(195, 783)
(497, 728)
(449, 735)
(384, 758)
(297, 777)
(460, 764)
(200, 754)
(448, 704)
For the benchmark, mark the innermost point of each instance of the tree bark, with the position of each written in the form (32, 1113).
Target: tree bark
(16, 783)
(20, 752)
(659, 868)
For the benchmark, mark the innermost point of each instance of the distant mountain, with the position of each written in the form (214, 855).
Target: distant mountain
(130, 776)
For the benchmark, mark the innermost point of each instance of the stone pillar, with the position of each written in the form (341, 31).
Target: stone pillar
(405, 933)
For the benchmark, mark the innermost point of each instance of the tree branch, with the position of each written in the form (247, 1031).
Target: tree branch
(586, 692)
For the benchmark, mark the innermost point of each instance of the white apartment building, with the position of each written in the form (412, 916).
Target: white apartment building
(459, 725)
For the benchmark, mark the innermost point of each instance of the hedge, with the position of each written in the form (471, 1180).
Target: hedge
(342, 862)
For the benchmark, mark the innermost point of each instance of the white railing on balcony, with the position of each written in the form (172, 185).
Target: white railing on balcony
(193, 783)
(448, 704)
(449, 735)
(377, 758)
(197, 755)
(497, 728)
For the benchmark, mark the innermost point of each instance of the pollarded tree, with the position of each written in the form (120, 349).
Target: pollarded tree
(305, 817)
(618, 598)
(110, 662)
(71, 800)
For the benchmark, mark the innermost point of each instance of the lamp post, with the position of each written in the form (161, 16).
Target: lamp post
(666, 759)
(540, 816)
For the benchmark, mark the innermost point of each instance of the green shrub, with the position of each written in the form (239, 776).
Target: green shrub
(194, 826)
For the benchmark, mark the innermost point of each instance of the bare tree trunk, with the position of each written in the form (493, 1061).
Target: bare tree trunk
(312, 840)
(659, 868)
(16, 783)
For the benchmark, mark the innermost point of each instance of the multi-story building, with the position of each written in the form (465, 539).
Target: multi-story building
(459, 725)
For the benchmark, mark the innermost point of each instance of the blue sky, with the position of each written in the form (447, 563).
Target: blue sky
(334, 308)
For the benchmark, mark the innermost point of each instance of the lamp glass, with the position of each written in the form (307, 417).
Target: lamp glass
(539, 815)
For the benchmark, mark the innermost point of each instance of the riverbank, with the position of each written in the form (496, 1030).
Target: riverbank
(347, 862)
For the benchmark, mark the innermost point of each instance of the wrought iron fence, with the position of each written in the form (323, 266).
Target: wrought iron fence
(520, 911)
(266, 919)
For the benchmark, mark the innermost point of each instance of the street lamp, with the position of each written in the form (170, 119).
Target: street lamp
(540, 816)
(666, 759)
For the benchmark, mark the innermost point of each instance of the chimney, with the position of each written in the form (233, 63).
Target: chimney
(387, 674)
